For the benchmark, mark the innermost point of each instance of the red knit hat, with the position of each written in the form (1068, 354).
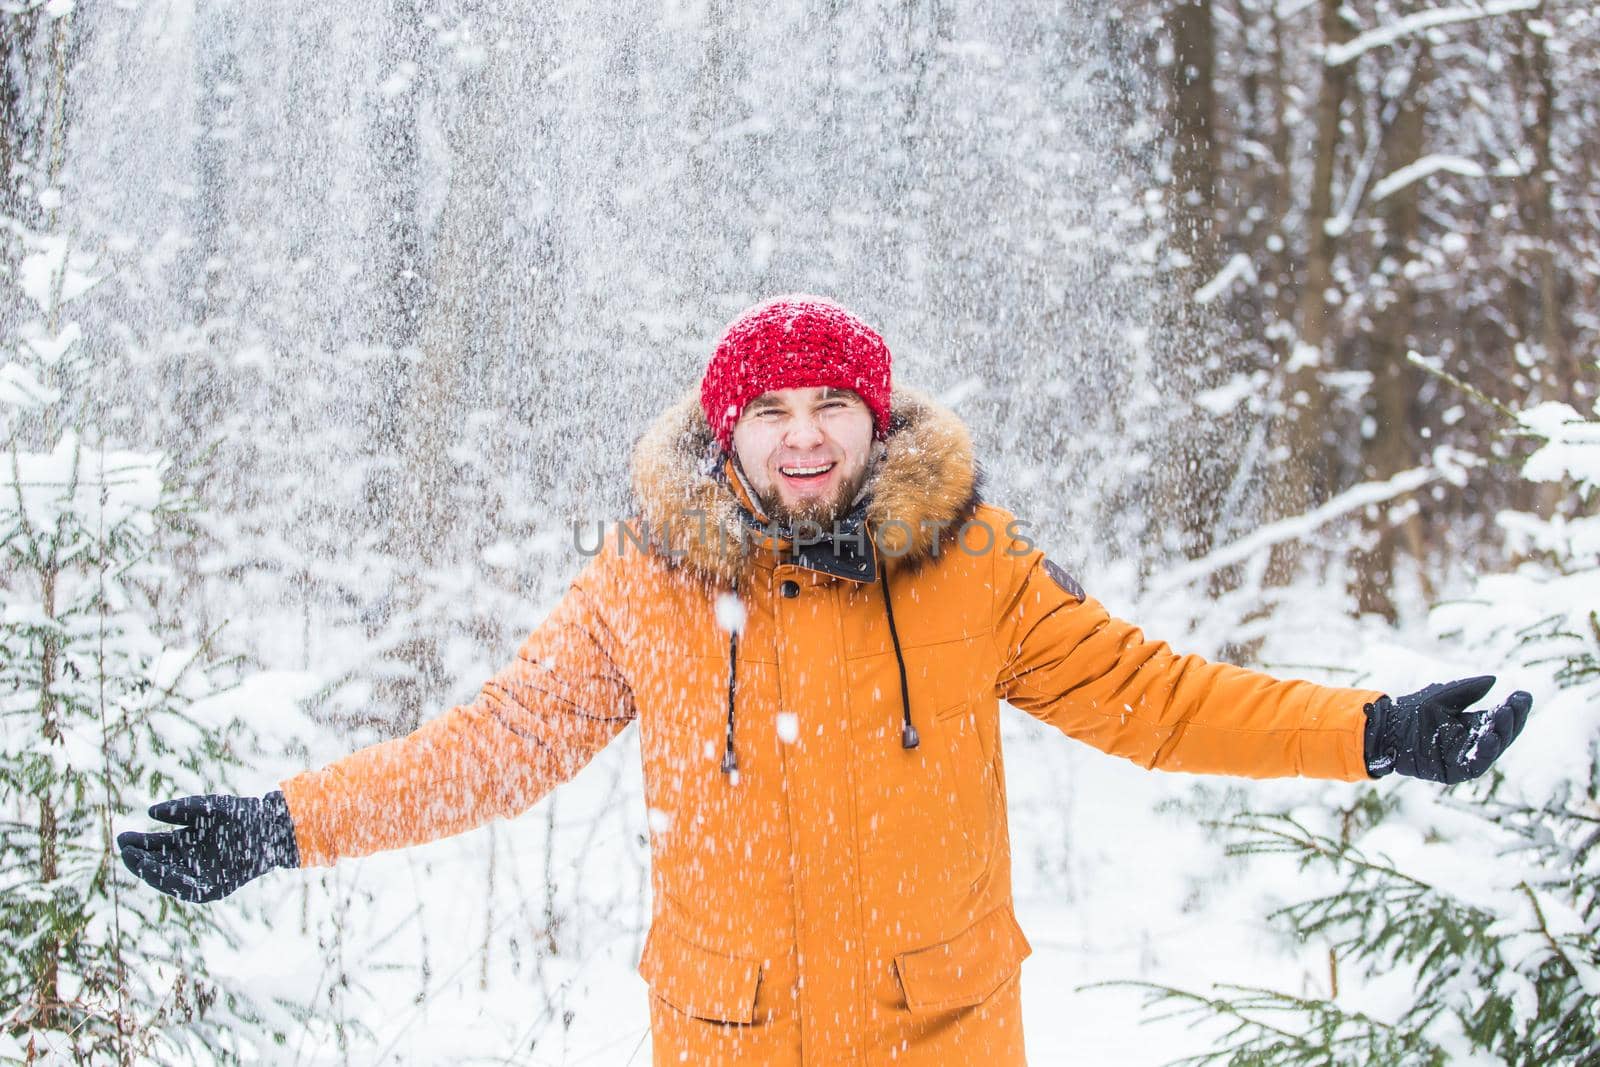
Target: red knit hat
(794, 342)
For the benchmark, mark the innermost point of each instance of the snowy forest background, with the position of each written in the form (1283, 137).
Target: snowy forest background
(320, 326)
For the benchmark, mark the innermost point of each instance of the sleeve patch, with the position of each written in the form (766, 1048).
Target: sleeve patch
(1067, 582)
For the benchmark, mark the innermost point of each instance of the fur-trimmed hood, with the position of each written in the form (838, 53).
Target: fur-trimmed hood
(926, 484)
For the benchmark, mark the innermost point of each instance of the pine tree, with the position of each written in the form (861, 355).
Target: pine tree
(93, 719)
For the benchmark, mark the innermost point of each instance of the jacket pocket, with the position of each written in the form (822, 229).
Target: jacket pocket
(697, 981)
(966, 970)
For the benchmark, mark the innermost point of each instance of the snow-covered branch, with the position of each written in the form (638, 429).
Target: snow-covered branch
(1237, 267)
(1422, 168)
(1422, 20)
(1352, 499)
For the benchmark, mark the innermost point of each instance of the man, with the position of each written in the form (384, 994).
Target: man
(813, 616)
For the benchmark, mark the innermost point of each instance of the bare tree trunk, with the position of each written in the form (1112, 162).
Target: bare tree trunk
(1194, 474)
(1533, 63)
(459, 312)
(19, 120)
(1563, 375)
(929, 28)
(397, 314)
(1283, 158)
(1301, 463)
(401, 296)
(447, 340)
(1195, 150)
(216, 121)
(464, 310)
(49, 832)
(49, 945)
(189, 373)
(1392, 445)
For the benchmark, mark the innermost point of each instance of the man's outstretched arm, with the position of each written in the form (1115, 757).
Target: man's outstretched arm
(533, 725)
(1065, 660)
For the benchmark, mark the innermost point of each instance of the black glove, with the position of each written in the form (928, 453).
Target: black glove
(1430, 734)
(225, 842)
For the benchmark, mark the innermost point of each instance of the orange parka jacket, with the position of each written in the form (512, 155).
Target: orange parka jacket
(841, 898)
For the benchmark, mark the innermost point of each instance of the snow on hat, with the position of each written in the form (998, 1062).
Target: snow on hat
(794, 342)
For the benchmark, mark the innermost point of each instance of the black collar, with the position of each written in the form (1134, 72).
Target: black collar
(844, 551)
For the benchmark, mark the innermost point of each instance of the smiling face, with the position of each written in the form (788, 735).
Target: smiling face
(805, 452)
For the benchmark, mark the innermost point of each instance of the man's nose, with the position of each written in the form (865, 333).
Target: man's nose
(803, 432)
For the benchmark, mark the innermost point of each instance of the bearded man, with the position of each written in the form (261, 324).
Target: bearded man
(813, 616)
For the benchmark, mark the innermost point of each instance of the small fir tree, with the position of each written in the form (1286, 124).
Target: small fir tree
(93, 720)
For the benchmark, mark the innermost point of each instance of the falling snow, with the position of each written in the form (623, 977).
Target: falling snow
(387, 292)
(731, 613)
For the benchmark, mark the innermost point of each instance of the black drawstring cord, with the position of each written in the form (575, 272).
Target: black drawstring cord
(908, 733)
(730, 762)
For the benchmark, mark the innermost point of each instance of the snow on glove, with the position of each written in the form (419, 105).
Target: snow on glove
(225, 842)
(1430, 733)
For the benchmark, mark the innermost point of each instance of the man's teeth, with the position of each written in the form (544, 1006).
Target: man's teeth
(807, 470)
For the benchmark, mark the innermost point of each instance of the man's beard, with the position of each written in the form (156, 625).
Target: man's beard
(824, 512)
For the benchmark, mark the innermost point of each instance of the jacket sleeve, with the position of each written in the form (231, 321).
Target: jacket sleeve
(534, 725)
(1066, 661)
